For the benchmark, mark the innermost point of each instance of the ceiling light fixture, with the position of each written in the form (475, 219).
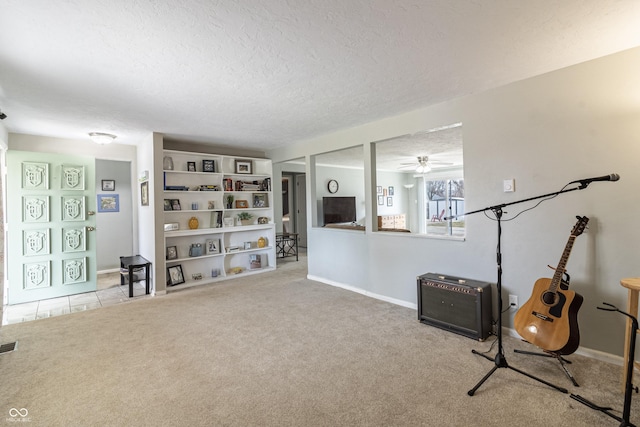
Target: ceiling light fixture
(102, 138)
(423, 168)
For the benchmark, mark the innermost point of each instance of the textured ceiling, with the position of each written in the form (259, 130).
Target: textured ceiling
(266, 74)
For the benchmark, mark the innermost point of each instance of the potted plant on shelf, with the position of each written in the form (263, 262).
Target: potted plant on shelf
(229, 200)
(245, 218)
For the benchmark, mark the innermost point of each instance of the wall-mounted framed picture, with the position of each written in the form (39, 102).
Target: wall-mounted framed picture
(108, 185)
(391, 190)
(243, 166)
(108, 203)
(175, 276)
(379, 189)
(144, 193)
(191, 166)
(381, 200)
(172, 252)
(208, 166)
(389, 201)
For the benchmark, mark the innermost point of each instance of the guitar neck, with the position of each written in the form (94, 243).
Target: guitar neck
(557, 276)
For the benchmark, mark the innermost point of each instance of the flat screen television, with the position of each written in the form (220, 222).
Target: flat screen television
(337, 210)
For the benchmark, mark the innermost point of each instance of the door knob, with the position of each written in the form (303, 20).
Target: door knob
(91, 213)
(90, 228)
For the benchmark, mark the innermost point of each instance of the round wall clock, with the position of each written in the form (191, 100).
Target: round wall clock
(332, 186)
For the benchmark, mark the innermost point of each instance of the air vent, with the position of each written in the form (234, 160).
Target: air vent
(6, 348)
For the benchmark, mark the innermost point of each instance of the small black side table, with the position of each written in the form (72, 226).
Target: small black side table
(287, 245)
(131, 263)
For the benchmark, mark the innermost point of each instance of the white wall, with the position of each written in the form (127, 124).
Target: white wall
(114, 229)
(574, 123)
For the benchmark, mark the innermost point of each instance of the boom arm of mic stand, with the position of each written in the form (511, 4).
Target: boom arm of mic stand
(500, 206)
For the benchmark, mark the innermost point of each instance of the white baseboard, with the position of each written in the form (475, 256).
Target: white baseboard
(583, 351)
(112, 270)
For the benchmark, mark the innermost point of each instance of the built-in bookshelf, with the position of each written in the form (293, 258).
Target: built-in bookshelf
(205, 197)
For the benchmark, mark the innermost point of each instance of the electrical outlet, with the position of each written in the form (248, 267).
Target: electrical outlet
(513, 301)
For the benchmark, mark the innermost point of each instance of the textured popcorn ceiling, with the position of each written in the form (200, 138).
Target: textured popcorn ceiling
(262, 74)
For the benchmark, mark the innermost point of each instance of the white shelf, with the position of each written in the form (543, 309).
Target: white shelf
(235, 235)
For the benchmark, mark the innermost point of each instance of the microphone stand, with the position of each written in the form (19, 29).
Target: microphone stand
(500, 360)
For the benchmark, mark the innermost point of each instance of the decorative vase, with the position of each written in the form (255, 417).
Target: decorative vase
(193, 223)
(262, 242)
(167, 163)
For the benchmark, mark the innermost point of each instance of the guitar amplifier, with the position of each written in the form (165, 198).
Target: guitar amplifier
(455, 304)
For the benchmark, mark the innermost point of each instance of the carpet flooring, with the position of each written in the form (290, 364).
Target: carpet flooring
(277, 349)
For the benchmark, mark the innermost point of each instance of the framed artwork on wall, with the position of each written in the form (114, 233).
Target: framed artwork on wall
(108, 203)
(108, 185)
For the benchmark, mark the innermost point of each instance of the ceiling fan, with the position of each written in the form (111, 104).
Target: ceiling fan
(423, 164)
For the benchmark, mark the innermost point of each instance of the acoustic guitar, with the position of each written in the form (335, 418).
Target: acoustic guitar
(549, 318)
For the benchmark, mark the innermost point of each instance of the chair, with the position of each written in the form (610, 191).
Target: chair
(435, 218)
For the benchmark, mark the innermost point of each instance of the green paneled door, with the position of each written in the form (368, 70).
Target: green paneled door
(51, 204)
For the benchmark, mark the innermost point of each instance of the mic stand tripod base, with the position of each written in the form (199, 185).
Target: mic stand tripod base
(501, 362)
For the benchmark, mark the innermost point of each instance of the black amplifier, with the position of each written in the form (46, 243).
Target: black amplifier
(456, 304)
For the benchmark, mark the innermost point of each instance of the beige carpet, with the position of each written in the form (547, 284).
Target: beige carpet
(279, 350)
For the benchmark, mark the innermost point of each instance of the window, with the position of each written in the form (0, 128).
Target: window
(419, 182)
(444, 200)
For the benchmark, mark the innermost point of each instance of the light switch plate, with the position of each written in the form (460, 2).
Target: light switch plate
(509, 185)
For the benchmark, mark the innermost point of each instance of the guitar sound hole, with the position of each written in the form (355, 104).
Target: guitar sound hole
(549, 298)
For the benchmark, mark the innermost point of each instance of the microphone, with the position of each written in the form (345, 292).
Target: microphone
(587, 181)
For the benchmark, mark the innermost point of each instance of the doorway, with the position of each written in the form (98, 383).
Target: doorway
(294, 206)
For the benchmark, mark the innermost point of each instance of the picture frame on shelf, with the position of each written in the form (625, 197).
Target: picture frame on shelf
(211, 204)
(255, 262)
(196, 276)
(191, 166)
(172, 252)
(242, 204)
(108, 185)
(175, 205)
(243, 166)
(247, 246)
(175, 276)
(167, 205)
(260, 200)
(212, 246)
(208, 165)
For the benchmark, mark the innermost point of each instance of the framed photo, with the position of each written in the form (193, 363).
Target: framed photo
(247, 246)
(144, 193)
(381, 200)
(167, 205)
(389, 201)
(196, 276)
(175, 276)
(391, 190)
(211, 204)
(260, 200)
(108, 185)
(241, 204)
(212, 246)
(379, 189)
(175, 205)
(208, 166)
(191, 166)
(108, 203)
(243, 166)
(172, 252)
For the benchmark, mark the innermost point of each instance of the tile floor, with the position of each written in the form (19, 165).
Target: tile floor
(105, 295)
